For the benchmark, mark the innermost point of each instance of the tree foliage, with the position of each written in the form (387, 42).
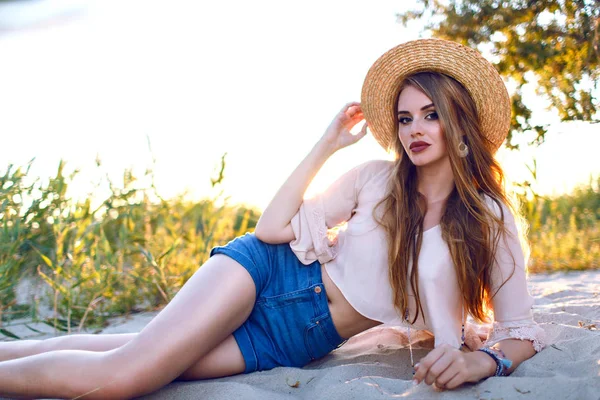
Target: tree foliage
(556, 41)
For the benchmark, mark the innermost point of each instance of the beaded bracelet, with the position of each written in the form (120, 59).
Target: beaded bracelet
(502, 363)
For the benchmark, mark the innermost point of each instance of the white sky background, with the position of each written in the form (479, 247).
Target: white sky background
(260, 80)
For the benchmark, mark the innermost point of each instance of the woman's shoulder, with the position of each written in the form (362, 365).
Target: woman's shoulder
(374, 167)
(373, 172)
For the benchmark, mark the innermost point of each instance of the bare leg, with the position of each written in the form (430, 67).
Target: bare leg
(212, 304)
(101, 342)
(225, 359)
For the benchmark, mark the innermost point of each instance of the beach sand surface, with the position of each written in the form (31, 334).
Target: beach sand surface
(376, 364)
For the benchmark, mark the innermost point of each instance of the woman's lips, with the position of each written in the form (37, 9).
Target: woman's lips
(417, 147)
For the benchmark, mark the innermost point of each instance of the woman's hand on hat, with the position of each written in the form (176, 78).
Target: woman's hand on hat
(338, 135)
(447, 368)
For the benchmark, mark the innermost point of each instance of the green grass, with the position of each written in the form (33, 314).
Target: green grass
(135, 250)
(564, 231)
(132, 253)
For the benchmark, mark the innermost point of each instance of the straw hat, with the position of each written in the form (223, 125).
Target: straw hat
(467, 66)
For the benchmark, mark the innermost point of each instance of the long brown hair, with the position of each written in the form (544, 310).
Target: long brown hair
(469, 226)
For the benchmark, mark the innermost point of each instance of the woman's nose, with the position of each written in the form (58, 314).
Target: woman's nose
(416, 128)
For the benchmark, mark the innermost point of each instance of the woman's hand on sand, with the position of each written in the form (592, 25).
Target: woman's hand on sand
(338, 135)
(448, 368)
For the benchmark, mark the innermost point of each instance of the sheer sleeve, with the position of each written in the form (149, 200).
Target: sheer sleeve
(324, 211)
(512, 303)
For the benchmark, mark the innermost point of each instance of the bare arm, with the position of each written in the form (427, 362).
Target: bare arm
(449, 367)
(274, 223)
(483, 366)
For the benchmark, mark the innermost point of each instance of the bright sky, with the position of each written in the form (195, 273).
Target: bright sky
(260, 80)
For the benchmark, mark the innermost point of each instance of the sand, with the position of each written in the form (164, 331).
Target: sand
(376, 363)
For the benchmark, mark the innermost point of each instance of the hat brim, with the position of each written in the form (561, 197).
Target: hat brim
(467, 66)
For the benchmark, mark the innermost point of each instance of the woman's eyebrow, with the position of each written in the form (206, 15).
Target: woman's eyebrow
(422, 109)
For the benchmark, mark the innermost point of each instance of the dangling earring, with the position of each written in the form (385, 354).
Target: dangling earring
(463, 149)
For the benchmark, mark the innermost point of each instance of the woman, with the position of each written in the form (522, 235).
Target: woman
(430, 239)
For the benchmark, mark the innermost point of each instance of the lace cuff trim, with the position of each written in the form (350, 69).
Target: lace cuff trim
(523, 330)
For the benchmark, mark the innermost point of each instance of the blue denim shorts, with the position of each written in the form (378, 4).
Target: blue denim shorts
(290, 324)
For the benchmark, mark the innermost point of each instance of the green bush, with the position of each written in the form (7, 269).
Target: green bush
(132, 253)
(564, 230)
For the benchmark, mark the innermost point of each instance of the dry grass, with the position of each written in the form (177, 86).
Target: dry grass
(136, 250)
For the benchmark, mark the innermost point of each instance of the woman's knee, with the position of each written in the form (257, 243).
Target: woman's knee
(52, 344)
(123, 377)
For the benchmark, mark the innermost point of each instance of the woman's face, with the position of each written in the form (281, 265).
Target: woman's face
(419, 128)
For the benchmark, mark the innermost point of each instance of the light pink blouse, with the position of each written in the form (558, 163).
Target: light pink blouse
(356, 261)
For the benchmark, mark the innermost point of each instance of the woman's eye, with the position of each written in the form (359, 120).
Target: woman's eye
(403, 120)
(432, 115)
